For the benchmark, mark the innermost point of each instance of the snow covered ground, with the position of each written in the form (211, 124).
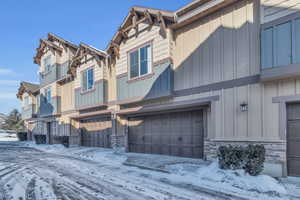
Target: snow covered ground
(30, 171)
(9, 137)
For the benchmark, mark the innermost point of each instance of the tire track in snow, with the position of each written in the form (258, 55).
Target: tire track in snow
(29, 193)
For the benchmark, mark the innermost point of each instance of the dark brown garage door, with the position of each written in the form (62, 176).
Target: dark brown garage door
(96, 132)
(293, 139)
(176, 134)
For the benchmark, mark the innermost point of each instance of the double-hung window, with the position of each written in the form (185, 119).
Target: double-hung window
(47, 64)
(48, 95)
(140, 61)
(87, 79)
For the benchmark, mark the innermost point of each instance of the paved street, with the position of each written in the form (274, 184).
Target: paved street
(27, 173)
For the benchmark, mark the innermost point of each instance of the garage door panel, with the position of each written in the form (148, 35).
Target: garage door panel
(293, 148)
(187, 140)
(198, 152)
(293, 111)
(165, 149)
(148, 148)
(187, 152)
(175, 151)
(155, 149)
(96, 132)
(294, 127)
(177, 134)
(293, 139)
(293, 167)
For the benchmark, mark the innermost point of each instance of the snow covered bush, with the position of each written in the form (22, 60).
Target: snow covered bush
(251, 158)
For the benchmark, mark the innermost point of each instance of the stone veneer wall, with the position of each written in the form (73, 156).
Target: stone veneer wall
(275, 151)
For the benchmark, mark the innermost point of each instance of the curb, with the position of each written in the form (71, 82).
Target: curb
(144, 167)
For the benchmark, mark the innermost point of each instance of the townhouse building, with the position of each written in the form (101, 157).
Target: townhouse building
(184, 82)
(28, 93)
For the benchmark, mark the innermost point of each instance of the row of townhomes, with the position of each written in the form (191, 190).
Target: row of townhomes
(179, 83)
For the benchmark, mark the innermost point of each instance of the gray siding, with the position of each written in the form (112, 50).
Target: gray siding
(160, 84)
(50, 108)
(58, 71)
(49, 77)
(96, 96)
(27, 112)
(62, 70)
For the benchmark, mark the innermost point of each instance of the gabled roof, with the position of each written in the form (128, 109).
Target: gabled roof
(52, 37)
(136, 16)
(30, 88)
(198, 9)
(82, 51)
(49, 43)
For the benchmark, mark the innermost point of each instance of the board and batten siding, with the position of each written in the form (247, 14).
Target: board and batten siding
(223, 46)
(95, 97)
(161, 48)
(274, 9)
(67, 96)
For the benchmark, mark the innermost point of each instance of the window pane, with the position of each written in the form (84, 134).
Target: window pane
(296, 56)
(144, 60)
(267, 48)
(134, 64)
(48, 95)
(283, 44)
(83, 81)
(90, 78)
(47, 64)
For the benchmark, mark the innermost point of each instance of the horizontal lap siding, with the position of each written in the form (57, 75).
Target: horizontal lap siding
(274, 9)
(218, 48)
(161, 46)
(98, 71)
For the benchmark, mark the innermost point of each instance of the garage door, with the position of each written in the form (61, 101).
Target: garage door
(96, 132)
(293, 139)
(176, 134)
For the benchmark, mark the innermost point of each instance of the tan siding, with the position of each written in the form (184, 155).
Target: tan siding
(274, 9)
(98, 71)
(161, 46)
(67, 97)
(220, 47)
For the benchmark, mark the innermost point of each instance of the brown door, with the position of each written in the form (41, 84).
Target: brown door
(96, 132)
(293, 139)
(176, 134)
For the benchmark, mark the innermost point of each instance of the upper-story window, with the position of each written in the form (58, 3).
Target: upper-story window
(87, 79)
(48, 95)
(47, 64)
(280, 44)
(140, 61)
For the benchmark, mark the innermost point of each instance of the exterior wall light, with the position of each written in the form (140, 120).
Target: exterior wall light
(244, 107)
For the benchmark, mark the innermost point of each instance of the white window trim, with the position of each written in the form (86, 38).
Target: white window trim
(139, 59)
(86, 71)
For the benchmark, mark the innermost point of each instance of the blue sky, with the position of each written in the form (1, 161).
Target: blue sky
(24, 22)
